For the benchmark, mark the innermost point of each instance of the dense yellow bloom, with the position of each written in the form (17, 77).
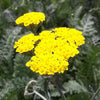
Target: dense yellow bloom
(72, 36)
(54, 50)
(32, 18)
(48, 64)
(26, 43)
(46, 35)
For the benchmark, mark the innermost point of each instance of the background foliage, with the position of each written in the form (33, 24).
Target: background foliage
(83, 77)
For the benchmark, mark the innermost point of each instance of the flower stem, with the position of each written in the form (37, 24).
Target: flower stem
(58, 85)
(61, 93)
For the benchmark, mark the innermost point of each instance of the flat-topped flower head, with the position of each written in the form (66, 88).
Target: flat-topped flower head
(54, 50)
(32, 18)
(26, 43)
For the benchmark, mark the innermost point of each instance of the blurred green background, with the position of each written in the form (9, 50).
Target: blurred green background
(83, 77)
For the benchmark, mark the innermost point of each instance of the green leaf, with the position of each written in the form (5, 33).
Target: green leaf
(80, 96)
(86, 25)
(73, 86)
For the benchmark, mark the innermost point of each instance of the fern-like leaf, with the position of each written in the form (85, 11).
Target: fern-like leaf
(12, 87)
(86, 25)
(7, 50)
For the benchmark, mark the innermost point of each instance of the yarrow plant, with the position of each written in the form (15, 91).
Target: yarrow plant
(52, 48)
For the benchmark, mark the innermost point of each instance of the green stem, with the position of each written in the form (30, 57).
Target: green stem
(57, 83)
(61, 93)
(46, 88)
(33, 29)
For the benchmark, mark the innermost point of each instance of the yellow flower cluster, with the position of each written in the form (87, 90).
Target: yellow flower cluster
(26, 43)
(48, 64)
(72, 36)
(32, 18)
(54, 47)
(54, 50)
